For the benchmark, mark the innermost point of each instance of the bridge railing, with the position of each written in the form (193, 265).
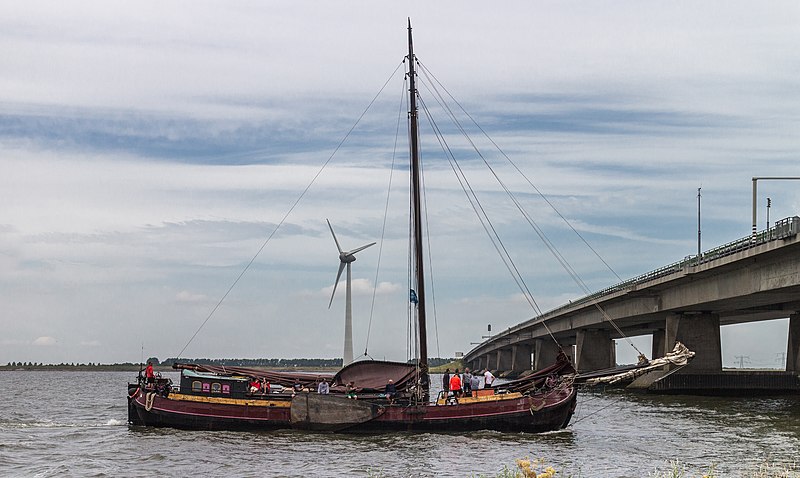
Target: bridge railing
(784, 228)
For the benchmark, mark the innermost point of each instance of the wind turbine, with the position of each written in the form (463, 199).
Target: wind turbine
(345, 259)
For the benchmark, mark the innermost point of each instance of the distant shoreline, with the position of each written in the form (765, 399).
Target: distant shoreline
(136, 368)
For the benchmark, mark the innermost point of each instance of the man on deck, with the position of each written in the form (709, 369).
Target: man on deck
(455, 384)
(149, 375)
(488, 378)
(390, 391)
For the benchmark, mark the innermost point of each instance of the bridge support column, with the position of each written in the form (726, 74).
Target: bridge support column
(545, 352)
(504, 360)
(793, 345)
(594, 351)
(569, 350)
(659, 344)
(700, 333)
(521, 358)
(479, 363)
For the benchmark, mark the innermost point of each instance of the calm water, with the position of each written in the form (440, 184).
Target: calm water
(74, 424)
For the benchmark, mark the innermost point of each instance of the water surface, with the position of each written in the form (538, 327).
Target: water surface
(74, 424)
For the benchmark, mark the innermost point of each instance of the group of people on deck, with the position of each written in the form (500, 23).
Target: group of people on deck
(457, 385)
(462, 385)
(261, 386)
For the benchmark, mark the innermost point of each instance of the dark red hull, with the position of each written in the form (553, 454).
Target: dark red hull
(552, 411)
(524, 414)
(166, 412)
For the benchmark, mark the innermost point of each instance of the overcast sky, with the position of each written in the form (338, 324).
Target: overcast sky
(148, 149)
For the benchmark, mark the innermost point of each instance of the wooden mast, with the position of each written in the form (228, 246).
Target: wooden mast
(417, 211)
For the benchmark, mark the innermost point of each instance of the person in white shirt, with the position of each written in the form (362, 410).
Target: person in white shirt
(488, 378)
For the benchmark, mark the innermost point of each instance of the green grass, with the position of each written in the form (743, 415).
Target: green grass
(456, 364)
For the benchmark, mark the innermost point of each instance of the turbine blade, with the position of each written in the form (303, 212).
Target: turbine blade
(338, 276)
(334, 237)
(359, 249)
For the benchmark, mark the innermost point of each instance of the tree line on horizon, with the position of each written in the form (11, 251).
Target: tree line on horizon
(71, 364)
(274, 362)
(230, 362)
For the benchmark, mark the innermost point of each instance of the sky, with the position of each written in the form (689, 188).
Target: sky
(148, 151)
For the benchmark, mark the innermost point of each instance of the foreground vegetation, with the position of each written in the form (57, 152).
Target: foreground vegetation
(675, 469)
(526, 468)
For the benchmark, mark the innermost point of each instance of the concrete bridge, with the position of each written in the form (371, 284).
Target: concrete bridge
(751, 279)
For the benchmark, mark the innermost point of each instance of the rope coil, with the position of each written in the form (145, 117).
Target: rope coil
(148, 400)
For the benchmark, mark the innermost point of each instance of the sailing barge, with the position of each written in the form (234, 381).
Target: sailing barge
(217, 398)
(211, 398)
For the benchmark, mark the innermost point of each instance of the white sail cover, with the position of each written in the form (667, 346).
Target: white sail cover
(679, 356)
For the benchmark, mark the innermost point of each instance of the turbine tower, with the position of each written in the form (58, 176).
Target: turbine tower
(345, 259)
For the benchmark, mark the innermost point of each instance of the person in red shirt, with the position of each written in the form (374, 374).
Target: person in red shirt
(455, 384)
(149, 376)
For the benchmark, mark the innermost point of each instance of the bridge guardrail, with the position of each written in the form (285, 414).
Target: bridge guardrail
(783, 229)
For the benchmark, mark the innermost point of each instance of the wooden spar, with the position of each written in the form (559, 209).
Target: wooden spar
(417, 211)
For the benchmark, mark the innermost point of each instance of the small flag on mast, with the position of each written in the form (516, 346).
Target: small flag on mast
(413, 297)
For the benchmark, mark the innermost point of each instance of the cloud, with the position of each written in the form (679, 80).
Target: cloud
(186, 296)
(44, 341)
(361, 287)
(146, 160)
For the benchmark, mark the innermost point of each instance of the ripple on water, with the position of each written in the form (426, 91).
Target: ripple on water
(612, 434)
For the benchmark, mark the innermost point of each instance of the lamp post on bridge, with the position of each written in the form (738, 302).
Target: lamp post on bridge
(698, 225)
(489, 330)
(769, 203)
(755, 196)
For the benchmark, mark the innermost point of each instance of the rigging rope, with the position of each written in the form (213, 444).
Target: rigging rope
(294, 205)
(530, 183)
(550, 246)
(430, 259)
(483, 217)
(385, 215)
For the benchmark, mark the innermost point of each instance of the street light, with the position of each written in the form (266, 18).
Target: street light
(769, 203)
(698, 225)
(755, 187)
(489, 330)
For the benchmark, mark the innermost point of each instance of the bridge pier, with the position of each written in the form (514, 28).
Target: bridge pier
(569, 350)
(793, 344)
(659, 344)
(700, 333)
(594, 350)
(504, 359)
(520, 358)
(545, 352)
